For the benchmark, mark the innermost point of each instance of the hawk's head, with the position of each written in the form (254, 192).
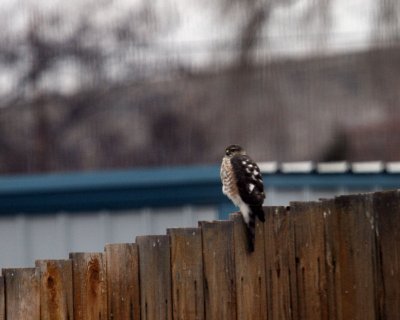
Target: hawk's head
(233, 150)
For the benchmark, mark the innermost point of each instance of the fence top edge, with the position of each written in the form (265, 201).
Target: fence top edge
(52, 261)
(214, 223)
(151, 237)
(120, 245)
(304, 204)
(355, 196)
(182, 230)
(19, 269)
(84, 254)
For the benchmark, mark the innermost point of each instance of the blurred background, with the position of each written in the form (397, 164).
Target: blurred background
(104, 97)
(113, 84)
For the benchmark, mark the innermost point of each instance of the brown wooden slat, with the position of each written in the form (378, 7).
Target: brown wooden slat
(89, 286)
(187, 273)
(56, 300)
(250, 272)
(387, 227)
(22, 294)
(311, 275)
(2, 299)
(331, 263)
(353, 249)
(219, 270)
(280, 264)
(155, 277)
(123, 281)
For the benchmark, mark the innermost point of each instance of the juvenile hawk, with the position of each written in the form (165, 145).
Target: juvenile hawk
(242, 183)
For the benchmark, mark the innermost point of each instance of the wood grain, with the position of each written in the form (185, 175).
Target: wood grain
(123, 281)
(56, 300)
(387, 230)
(353, 248)
(250, 272)
(89, 286)
(155, 277)
(219, 270)
(331, 257)
(187, 274)
(280, 264)
(22, 294)
(310, 257)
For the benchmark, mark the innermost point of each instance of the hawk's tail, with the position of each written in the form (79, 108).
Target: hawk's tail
(251, 225)
(251, 231)
(258, 211)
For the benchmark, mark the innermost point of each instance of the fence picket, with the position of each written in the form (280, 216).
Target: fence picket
(22, 294)
(89, 285)
(219, 270)
(155, 277)
(280, 264)
(310, 257)
(331, 256)
(187, 274)
(250, 272)
(123, 281)
(353, 249)
(56, 301)
(387, 229)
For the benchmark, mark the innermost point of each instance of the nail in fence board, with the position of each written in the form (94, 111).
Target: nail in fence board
(219, 270)
(89, 285)
(353, 249)
(123, 281)
(22, 294)
(280, 264)
(155, 277)
(250, 272)
(387, 224)
(56, 301)
(309, 235)
(187, 274)
(2, 301)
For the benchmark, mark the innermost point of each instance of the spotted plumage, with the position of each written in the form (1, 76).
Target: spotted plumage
(242, 183)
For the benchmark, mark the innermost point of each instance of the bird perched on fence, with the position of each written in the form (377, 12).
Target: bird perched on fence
(242, 183)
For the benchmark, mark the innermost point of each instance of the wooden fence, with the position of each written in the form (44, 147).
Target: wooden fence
(332, 259)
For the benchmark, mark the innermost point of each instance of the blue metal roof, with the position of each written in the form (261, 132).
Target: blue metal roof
(155, 187)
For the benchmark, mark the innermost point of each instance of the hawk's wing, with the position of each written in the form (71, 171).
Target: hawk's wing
(249, 180)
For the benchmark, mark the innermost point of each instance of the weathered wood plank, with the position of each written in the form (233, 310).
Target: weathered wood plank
(312, 279)
(387, 226)
(123, 281)
(187, 274)
(219, 270)
(353, 249)
(331, 263)
(56, 301)
(2, 299)
(89, 285)
(280, 264)
(22, 294)
(250, 272)
(155, 277)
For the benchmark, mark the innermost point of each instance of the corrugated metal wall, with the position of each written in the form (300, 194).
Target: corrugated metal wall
(26, 237)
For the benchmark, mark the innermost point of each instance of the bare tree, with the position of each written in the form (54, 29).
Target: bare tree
(94, 45)
(387, 22)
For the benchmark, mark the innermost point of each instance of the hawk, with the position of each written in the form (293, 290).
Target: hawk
(242, 183)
